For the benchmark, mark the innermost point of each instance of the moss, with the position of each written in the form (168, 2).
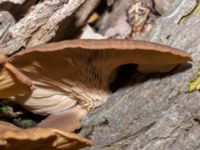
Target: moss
(194, 85)
(23, 123)
(4, 109)
(12, 112)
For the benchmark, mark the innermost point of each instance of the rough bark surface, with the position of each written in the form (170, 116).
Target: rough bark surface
(39, 24)
(156, 112)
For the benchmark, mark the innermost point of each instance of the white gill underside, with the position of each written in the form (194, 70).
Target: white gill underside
(59, 84)
(45, 101)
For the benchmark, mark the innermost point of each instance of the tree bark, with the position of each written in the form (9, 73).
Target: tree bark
(39, 25)
(156, 112)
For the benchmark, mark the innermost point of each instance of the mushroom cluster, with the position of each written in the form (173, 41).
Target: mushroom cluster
(67, 79)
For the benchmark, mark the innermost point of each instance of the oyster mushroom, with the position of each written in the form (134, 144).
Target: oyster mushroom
(67, 79)
(12, 138)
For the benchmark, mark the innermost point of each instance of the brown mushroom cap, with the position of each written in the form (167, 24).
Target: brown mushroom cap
(12, 138)
(7, 126)
(141, 52)
(78, 71)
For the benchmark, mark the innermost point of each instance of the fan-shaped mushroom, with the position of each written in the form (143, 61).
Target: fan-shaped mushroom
(67, 79)
(12, 138)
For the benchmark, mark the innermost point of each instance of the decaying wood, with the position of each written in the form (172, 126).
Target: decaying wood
(6, 21)
(38, 26)
(117, 19)
(156, 112)
(163, 6)
(83, 13)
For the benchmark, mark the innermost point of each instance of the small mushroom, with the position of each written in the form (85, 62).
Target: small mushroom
(67, 79)
(12, 138)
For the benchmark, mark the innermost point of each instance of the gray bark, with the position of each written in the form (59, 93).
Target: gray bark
(156, 112)
(39, 24)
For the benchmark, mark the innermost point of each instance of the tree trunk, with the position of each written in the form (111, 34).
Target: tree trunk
(156, 112)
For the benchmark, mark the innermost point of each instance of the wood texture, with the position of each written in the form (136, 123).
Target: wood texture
(38, 26)
(155, 112)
